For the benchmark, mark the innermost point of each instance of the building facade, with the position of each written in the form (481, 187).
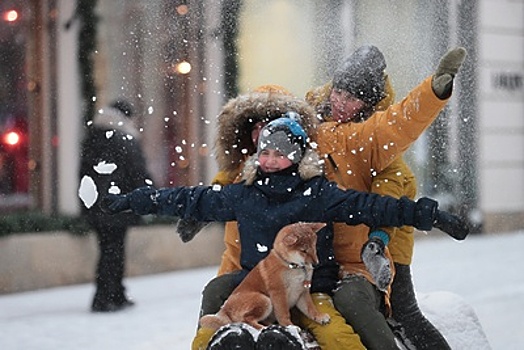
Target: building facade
(179, 61)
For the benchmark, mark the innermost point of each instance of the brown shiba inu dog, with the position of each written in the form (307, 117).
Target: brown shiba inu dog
(276, 284)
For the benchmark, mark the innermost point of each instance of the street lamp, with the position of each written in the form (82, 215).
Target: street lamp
(183, 67)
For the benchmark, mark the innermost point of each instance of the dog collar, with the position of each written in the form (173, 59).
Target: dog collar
(295, 266)
(290, 264)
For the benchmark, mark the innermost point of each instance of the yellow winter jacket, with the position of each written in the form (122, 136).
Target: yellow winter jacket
(397, 180)
(352, 151)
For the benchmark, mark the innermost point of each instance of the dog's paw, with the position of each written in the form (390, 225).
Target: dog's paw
(322, 319)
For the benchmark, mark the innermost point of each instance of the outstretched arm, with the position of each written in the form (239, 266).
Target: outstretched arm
(355, 207)
(201, 202)
(387, 134)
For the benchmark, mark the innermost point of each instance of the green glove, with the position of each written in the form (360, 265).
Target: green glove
(448, 67)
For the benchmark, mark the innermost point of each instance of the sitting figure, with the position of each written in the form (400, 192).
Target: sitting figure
(276, 284)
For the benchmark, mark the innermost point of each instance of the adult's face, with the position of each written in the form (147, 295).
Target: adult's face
(344, 106)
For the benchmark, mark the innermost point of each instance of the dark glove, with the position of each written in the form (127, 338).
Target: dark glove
(114, 203)
(452, 225)
(424, 214)
(141, 201)
(376, 262)
(188, 228)
(442, 82)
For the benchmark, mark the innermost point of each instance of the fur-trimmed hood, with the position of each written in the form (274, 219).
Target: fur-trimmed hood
(309, 167)
(237, 118)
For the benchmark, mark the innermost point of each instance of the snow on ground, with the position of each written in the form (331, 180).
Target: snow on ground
(458, 284)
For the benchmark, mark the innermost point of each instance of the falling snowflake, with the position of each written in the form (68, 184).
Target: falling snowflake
(105, 168)
(262, 248)
(87, 191)
(114, 189)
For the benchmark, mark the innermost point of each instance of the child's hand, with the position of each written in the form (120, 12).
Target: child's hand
(141, 201)
(451, 224)
(114, 203)
(188, 228)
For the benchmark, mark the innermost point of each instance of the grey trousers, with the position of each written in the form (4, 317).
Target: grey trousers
(362, 305)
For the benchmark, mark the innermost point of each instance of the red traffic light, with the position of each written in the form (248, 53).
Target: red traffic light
(12, 138)
(10, 15)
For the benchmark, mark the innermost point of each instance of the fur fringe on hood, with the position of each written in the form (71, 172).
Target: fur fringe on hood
(239, 115)
(309, 167)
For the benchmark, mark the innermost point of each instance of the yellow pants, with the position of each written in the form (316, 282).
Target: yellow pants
(337, 334)
(202, 338)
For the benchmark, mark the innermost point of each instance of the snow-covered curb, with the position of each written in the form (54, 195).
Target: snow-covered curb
(41, 260)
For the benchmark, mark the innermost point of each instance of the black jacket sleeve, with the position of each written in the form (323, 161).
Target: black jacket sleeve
(355, 207)
(202, 203)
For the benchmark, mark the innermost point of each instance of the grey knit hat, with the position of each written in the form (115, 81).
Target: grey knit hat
(285, 135)
(362, 75)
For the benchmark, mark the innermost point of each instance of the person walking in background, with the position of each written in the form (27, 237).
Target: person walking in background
(112, 157)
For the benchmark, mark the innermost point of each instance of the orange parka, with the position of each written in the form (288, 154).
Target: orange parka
(398, 180)
(355, 153)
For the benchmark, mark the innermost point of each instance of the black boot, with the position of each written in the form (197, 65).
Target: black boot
(410, 321)
(279, 338)
(110, 293)
(110, 306)
(233, 336)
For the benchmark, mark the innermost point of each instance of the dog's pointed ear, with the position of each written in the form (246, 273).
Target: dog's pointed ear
(317, 226)
(290, 239)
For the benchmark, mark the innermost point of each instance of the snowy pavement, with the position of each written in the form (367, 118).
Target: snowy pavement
(482, 273)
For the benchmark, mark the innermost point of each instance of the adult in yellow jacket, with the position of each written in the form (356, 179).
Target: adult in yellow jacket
(396, 180)
(355, 152)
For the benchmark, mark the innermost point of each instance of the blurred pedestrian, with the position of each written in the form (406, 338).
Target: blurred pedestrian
(112, 157)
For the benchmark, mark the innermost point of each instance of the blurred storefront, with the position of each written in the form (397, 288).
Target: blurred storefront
(179, 61)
